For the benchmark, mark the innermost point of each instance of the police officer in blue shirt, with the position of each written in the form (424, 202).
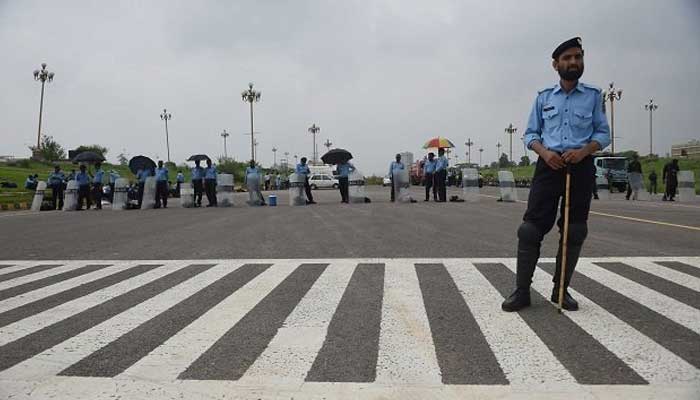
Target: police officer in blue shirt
(55, 182)
(161, 185)
(197, 184)
(566, 126)
(441, 175)
(303, 170)
(343, 169)
(251, 170)
(428, 179)
(395, 166)
(83, 180)
(141, 176)
(97, 186)
(210, 184)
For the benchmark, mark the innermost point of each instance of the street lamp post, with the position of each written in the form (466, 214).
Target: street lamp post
(43, 76)
(328, 144)
(251, 96)
(481, 150)
(224, 135)
(313, 129)
(469, 145)
(612, 95)
(255, 149)
(166, 117)
(274, 156)
(651, 107)
(510, 130)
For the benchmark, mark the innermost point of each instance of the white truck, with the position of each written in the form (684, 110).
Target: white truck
(614, 169)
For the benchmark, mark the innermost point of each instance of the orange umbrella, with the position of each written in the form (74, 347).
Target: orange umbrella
(438, 143)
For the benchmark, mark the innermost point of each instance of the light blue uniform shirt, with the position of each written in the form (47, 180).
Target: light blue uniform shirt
(344, 169)
(395, 166)
(56, 178)
(197, 173)
(429, 166)
(141, 175)
(162, 174)
(99, 173)
(251, 171)
(441, 164)
(302, 169)
(180, 178)
(562, 121)
(82, 178)
(210, 173)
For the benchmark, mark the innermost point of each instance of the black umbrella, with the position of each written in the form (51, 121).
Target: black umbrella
(199, 157)
(336, 156)
(89, 157)
(141, 163)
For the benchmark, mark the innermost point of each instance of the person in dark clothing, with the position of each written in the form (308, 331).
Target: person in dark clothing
(634, 167)
(161, 185)
(210, 174)
(670, 176)
(197, 185)
(56, 179)
(83, 180)
(428, 176)
(652, 182)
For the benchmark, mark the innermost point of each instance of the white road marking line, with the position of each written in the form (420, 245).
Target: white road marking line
(669, 274)
(406, 349)
(41, 275)
(38, 321)
(171, 358)
(649, 359)
(291, 353)
(522, 355)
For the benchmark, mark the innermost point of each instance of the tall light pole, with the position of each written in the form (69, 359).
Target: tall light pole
(255, 149)
(224, 135)
(274, 156)
(469, 145)
(612, 94)
(313, 129)
(510, 130)
(166, 117)
(42, 76)
(481, 150)
(651, 107)
(251, 96)
(328, 144)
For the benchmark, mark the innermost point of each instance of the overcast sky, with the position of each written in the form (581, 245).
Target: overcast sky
(377, 76)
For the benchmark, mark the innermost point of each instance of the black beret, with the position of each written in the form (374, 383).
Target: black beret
(571, 43)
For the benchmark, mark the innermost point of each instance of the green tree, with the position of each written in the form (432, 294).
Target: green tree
(503, 161)
(123, 160)
(96, 148)
(49, 150)
(524, 161)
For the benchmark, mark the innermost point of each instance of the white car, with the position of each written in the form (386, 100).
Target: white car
(386, 181)
(322, 181)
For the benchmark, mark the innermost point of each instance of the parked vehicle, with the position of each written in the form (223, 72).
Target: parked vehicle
(386, 181)
(323, 181)
(613, 167)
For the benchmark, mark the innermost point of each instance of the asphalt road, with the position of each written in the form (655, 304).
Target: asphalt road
(333, 230)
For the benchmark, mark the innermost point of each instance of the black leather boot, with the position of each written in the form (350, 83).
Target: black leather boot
(569, 303)
(572, 254)
(517, 301)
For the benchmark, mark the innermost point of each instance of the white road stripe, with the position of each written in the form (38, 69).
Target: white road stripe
(649, 359)
(20, 265)
(72, 283)
(662, 304)
(522, 355)
(406, 349)
(61, 356)
(669, 274)
(291, 353)
(38, 321)
(174, 356)
(41, 275)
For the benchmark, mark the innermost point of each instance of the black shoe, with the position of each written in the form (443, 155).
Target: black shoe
(569, 304)
(595, 197)
(517, 301)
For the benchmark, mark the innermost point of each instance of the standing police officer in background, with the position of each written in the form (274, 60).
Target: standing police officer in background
(303, 170)
(395, 167)
(97, 186)
(210, 184)
(161, 185)
(56, 179)
(197, 176)
(441, 175)
(428, 179)
(566, 126)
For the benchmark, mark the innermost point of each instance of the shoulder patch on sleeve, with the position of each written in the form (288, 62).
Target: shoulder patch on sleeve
(545, 90)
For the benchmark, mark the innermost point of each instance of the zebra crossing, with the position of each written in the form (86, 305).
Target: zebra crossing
(345, 328)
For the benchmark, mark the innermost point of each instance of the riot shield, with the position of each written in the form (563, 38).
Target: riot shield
(507, 185)
(470, 184)
(149, 193)
(297, 197)
(686, 187)
(255, 197)
(121, 195)
(186, 196)
(38, 196)
(636, 182)
(356, 187)
(224, 190)
(70, 202)
(602, 187)
(401, 186)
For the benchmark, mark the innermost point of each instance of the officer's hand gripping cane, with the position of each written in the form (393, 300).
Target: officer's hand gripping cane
(564, 240)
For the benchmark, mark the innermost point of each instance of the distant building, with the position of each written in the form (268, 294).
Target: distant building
(690, 149)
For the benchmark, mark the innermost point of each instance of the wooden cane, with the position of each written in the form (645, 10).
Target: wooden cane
(564, 240)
